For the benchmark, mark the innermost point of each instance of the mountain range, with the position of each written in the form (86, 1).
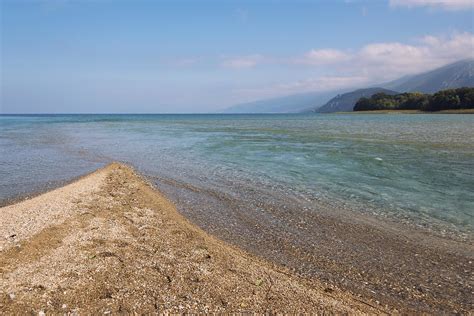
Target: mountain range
(455, 75)
(345, 102)
(288, 104)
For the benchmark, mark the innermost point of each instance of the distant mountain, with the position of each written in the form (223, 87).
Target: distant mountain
(288, 104)
(345, 102)
(455, 75)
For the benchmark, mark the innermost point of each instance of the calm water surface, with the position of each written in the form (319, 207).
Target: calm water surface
(418, 169)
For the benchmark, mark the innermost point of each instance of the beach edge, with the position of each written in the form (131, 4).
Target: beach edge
(76, 237)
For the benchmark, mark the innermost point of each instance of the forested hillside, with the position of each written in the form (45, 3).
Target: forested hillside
(450, 99)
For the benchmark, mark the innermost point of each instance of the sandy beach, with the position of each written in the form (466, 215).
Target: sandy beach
(237, 157)
(110, 243)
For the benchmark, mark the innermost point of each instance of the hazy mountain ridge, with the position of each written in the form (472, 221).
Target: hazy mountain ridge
(451, 76)
(287, 104)
(455, 75)
(345, 102)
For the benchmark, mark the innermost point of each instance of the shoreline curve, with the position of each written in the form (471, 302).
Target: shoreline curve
(109, 242)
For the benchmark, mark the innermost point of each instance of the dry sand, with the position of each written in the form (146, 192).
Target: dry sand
(110, 243)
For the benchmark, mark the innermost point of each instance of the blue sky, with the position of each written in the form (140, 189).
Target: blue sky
(201, 56)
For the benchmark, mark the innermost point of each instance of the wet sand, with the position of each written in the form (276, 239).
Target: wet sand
(381, 261)
(111, 243)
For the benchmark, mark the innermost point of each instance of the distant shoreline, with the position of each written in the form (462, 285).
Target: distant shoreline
(460, 111)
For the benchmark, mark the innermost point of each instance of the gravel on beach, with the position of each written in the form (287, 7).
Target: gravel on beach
(110, 243)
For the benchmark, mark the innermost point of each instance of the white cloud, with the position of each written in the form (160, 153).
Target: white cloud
(323, 57)
(241, 62)
(443, 4)
(396, 59)
(460, 45)
(371, 64)
(388, 60)
(380, 60)
(321, 84)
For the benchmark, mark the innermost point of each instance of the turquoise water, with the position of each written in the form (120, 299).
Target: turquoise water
(418, 169)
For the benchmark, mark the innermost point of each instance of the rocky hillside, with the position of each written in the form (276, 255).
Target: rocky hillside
(452, 76)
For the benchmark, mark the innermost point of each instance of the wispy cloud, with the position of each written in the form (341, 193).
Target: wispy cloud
(241, 62)
(378, 59)
(323, 57)
(386, 60)
(370, 64)
(323, 83)
(336, 69)
(395, 59)
(181, 62)
(442, 4)
(317, 84)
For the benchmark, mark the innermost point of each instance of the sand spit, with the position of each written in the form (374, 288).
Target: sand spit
(110, 243)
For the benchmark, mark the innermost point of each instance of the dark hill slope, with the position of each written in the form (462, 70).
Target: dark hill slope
(345, 102)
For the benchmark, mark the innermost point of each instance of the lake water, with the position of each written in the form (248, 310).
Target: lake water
(417, 169)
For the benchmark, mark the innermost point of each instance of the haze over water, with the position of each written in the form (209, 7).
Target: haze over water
(417, 169)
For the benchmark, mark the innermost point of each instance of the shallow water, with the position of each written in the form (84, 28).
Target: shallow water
(356, 202)
(418, 169)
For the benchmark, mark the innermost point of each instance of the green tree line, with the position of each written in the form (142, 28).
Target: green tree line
(461, 98)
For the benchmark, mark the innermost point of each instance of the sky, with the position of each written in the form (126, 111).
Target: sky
(105, 56)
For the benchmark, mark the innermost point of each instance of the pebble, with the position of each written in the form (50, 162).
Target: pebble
(41, 313)
(12, 296)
